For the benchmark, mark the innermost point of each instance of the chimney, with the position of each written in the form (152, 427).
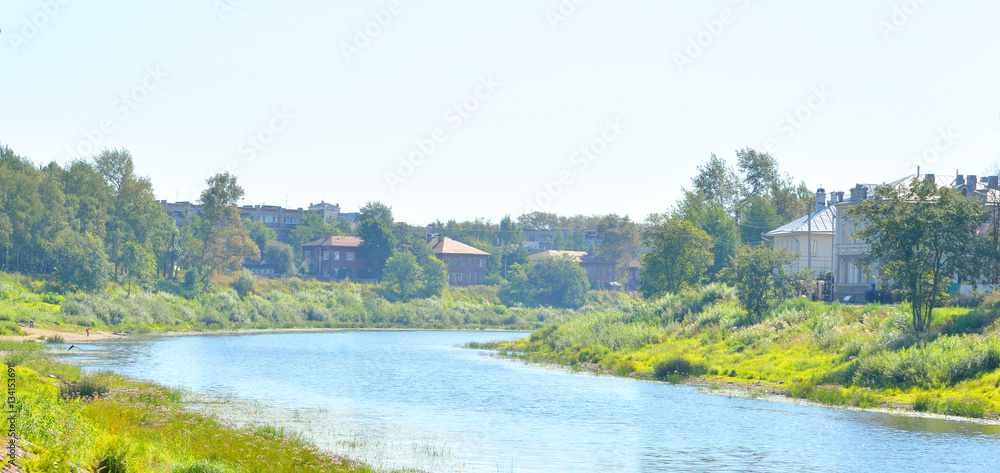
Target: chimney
(820, 199)
(959, 180)
(971, 181)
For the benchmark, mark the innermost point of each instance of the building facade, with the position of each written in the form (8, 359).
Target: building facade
(279, 219)
(336, 257)
(467, 265)
(810, 238)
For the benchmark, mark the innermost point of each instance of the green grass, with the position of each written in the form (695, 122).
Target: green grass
(865, 356)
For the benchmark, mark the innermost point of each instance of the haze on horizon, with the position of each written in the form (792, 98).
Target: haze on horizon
(478, 109)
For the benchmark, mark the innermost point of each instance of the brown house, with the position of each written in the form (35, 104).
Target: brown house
(466, 264)
(336, 257)
(600, 271)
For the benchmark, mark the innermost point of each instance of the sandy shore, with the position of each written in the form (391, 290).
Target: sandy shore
(34, 333)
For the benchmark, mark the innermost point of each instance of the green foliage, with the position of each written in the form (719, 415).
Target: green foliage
(81, 261)
(711, 217)
(283, 257)
(758, 273)
(261, 234)
(219, 241)
(619, 242)
(244, 283)
(54, 339)
(757, 217)
(376, 228)
(517, 290)
(402, 276)
(678, 255)
(921, 236)
(676, 366)
(558, 282)
(945, 361)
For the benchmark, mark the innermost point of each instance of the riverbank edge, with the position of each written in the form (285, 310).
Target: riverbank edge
(187, 406)
(766, 391)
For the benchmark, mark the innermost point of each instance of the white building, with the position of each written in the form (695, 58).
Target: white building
(809, 238)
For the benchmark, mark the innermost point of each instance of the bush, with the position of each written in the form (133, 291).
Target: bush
(8, 327)
(54, 339)
(244, 283)
(676, 366)
(85, 387)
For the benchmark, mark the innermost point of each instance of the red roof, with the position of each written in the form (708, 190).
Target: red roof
(447, 246)
(350, 241)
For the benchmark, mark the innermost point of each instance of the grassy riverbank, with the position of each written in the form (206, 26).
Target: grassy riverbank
(70, 420)
(274, 303)
(865, 356)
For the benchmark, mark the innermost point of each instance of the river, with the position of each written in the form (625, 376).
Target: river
(418, 400)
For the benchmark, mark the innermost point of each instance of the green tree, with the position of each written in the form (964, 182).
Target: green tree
(81, 262)
(619, 242)
(921, 236)
(138, 264)
(402, 276)
(711, 217)
(678, 255)
(260, 234)
(517, 289)
(313, 228)
(757, 217)
(221, 242)
(719, 183)
(434, 277)
(376, 229)
(758, 273)
(283, 257)
(558, 281)
(244, 283)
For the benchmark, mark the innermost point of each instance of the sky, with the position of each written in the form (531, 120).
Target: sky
(479, 109)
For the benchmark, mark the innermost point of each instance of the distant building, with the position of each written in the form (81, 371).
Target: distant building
(336, 257)
(600, 271)
(858, 281)
(634, 272)
(467, 265)
(809, 238)
(277, 218)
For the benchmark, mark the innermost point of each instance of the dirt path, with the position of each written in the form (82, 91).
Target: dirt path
(34, 333)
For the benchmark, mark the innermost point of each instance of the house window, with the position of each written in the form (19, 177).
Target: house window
(308, 254)
(812, 247)
(336, 256)
(460, 278)
(326, 256)
(350, 256)
(326, 271)
(482, 263)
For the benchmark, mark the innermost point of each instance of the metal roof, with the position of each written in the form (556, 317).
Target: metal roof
(822, 222)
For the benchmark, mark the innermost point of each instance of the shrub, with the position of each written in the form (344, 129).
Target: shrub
(244, 283)
(676, 366)
(8, 327)
(85, 387)
(54, 339)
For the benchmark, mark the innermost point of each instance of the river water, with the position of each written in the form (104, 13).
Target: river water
(419, 400)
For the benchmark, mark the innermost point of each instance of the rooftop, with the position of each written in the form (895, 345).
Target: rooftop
(447, 246)
(578, 256)
(822, 222)
(351, 241)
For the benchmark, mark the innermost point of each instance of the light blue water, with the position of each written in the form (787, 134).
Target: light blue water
(417, 399)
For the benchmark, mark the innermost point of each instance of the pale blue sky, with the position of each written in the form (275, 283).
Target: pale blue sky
(204, 79)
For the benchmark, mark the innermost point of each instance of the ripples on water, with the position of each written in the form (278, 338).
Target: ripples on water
(416, 399)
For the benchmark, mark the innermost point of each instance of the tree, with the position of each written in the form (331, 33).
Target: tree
(558, 282)
(244, 283)
(137, 265)
(517, 289)
(678, 256)
(710, 217)
(434, 277)
(260, 234)
(375, 227)
(757, 217)
(759, 274)
(80, 261)
(718, 183)
(402, 276)
(221, 242)
(619, 242)
(920, 236)
(313, 228)
(283, 257)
